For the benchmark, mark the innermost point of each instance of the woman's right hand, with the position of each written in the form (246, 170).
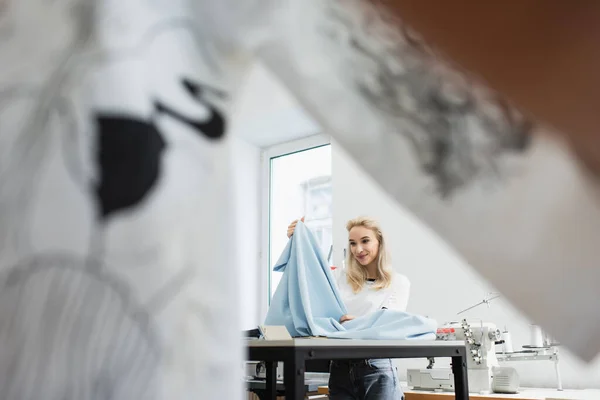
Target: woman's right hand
(346, 317)
(292, 227)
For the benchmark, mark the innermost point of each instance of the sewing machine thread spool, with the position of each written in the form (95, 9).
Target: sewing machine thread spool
(507, 346)
(536, 338)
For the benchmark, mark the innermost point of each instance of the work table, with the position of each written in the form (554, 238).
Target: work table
(295, 352)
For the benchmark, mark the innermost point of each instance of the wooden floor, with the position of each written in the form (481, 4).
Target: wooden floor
(448, 396)
(524, 394)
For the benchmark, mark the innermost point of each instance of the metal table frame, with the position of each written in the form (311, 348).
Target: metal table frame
(294, 353)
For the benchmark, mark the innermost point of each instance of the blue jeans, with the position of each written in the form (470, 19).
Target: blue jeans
(374, 379)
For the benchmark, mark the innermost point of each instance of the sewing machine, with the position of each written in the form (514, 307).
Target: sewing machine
(482, 364)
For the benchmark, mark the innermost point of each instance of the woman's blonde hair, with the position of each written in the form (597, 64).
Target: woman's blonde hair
(356, 273)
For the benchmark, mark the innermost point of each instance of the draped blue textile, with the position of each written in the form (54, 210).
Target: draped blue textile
(308, 302)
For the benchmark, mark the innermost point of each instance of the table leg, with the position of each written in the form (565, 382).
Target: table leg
(557, 369)
(461, 383)
(271, 384)
(293, 376)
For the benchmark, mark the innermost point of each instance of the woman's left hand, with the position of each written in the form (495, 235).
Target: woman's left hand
(346, 317)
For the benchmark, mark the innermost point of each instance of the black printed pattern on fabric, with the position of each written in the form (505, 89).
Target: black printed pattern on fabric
(63, 302)
(214, 127)
(129, 157)
(458, 130)
(130, 149)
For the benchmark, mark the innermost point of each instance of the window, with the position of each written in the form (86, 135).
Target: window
(299, 185)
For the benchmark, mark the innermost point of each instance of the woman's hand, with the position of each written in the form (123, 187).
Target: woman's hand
(292, 227)
(346, 317)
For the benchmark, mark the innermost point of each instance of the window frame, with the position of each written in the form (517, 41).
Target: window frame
(266, 156)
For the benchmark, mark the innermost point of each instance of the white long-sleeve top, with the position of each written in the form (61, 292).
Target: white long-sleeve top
(369, 299)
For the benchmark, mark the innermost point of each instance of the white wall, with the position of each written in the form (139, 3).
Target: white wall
(442, 284)
(264, 115)
(246, 175)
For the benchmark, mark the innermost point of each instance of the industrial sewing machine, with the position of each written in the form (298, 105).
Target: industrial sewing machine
(484, 373)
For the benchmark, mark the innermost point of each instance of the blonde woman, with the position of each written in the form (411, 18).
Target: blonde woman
(368, 284)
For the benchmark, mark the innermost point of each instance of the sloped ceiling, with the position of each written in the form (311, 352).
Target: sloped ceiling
(266, 113)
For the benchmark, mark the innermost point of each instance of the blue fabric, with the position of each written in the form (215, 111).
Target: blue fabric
(308, 303)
